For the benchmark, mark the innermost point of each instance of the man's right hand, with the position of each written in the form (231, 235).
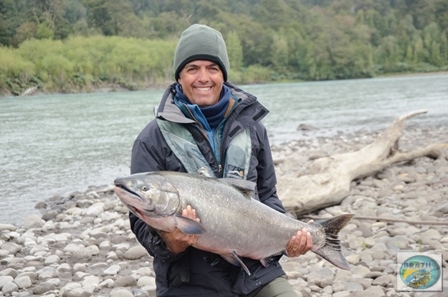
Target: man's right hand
(176, 241)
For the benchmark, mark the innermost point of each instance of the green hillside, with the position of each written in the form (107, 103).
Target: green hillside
(82, 45)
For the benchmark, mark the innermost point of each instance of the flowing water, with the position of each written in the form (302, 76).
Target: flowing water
(58, 144)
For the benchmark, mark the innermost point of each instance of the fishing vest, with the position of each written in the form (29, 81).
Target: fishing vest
(183, 145)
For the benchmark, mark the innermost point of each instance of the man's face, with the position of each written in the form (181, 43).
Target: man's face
(201, 82)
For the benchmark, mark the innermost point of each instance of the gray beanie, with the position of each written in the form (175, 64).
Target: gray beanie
(200, 42)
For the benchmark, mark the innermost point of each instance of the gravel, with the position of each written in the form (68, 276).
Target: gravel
(82, 245)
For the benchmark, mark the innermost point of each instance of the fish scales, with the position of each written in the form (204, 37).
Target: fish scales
(218, 202)
(232, 223)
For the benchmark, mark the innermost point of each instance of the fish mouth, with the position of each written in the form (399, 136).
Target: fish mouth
(133, 200)
(123, 187)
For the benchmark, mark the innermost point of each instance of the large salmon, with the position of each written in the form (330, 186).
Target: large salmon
(232, 224)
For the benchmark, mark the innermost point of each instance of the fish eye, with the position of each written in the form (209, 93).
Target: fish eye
(144, 188)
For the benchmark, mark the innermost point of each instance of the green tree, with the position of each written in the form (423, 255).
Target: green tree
(44, 32)
(279, 52)
(112, 17)
(388, 54)
(25, 31)
(234, 50)
(5, 33)
(433, 41)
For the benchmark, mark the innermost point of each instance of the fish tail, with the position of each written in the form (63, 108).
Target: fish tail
(331, 251)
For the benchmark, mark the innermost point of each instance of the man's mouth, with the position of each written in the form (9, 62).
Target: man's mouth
(203, 89)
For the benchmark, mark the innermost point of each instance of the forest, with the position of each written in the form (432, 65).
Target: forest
(82, 45)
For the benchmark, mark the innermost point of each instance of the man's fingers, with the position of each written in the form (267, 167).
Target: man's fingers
(290, 244)
(189, 212)
(309, 241)
(299, 243)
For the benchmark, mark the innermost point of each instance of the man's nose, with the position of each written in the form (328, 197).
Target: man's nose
(203, 75)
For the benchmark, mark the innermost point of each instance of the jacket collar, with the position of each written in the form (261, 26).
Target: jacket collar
(167, 110)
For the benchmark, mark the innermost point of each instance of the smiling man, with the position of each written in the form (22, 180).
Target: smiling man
(201, 82)
(204, 122)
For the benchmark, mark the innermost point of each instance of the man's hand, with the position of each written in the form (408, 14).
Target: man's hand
(299, 243)
(176, 241)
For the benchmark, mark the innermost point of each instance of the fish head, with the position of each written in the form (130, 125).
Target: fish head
(148, 195)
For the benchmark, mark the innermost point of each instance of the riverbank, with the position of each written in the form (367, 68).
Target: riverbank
(82, 245)
(36, 91)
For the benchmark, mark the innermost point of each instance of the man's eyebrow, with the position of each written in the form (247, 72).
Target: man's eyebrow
(193, 64)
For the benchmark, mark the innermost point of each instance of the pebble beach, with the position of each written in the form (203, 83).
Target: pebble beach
(81, 245)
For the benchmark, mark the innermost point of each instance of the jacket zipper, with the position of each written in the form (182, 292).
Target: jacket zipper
(204, 134)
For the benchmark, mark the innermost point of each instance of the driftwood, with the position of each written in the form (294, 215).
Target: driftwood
(384, 219)
(331, 176)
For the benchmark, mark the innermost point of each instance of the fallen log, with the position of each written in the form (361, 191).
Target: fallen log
(330, 177)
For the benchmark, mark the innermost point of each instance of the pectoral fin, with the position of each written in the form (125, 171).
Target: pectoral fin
(189, 226)
(234, 259)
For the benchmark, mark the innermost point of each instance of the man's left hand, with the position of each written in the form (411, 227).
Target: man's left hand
(299, 243)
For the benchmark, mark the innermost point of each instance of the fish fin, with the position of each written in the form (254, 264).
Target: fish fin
(246, 187)
(234, 259)
(331, 251)
(268, 260)
(265, 262)
(189, 226)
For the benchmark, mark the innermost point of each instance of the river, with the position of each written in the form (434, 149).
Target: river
(58, 144)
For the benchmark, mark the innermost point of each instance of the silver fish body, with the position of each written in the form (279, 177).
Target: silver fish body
(232, 224)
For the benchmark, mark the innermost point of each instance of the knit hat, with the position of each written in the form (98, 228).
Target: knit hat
(200, 42)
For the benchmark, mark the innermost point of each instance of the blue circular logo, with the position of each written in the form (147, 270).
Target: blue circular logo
(420, 272)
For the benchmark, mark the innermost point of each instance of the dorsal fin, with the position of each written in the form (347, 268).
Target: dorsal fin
(244, 186)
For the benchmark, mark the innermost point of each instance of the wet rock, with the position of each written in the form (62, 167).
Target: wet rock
(121, 293)
(23, 282)
(42, 288)
(52, 259)
(7, 227)
(47, 273)
(135, 253)
(125, 281)
(146, 281)
(383, 280)
(33, 221)
(9, 287)
(353, 286)
(320, 275)
(11, 247)
(112, 270)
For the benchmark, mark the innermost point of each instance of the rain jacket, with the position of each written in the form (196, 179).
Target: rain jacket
(195, 272)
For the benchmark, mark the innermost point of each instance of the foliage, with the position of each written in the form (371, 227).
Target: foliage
(79, 45)
(82, 63)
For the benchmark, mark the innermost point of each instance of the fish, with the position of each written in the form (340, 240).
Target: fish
(232, 222)
(421, 278)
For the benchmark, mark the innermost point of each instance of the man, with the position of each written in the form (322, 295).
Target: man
(203, 121)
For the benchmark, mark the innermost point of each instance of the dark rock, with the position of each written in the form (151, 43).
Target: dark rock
(42, 288)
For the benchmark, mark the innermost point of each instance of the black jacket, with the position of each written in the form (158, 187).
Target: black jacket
(196, 272)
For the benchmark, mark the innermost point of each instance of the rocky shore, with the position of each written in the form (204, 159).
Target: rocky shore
(82, 245)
